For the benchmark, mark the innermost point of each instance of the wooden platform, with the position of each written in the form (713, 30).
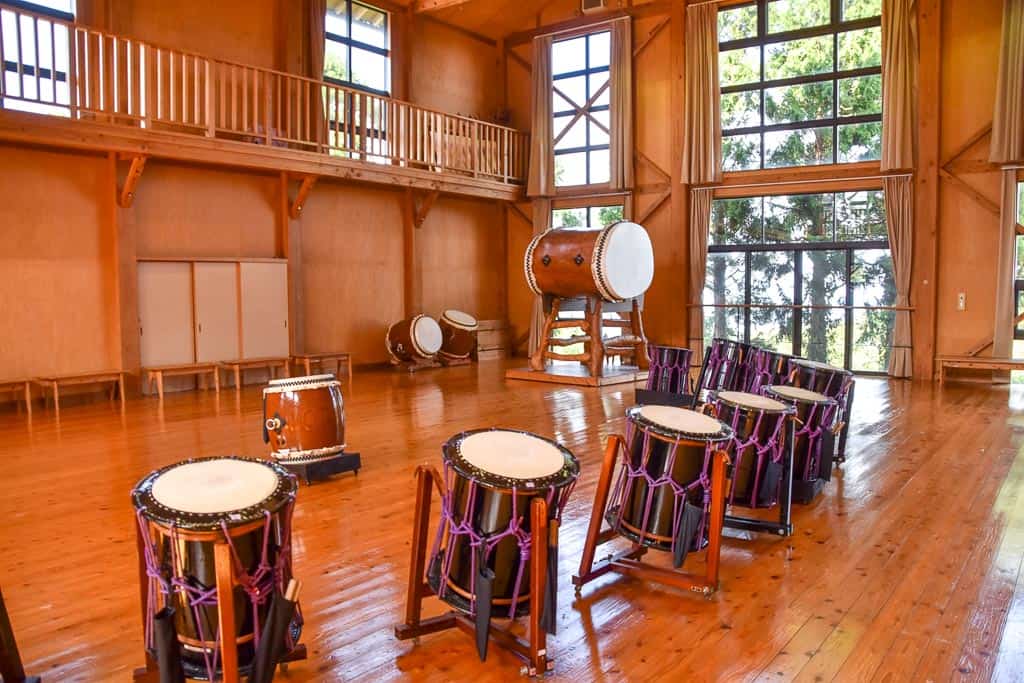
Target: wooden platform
(946, 363)
(906, 568)
(577, 374)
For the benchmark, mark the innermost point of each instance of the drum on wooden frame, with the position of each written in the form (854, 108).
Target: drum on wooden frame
(665, 477)
(304, 418)
(816, 414)
(757, 446)
(414, 339)
(614, 263)
(458, 334)
(186, 509)
(491, 477)
(820, 377)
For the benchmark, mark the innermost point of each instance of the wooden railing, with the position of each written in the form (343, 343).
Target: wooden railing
(60, 68)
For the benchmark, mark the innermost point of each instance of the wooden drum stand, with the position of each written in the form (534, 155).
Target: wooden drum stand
(628, 561)
(532, 651)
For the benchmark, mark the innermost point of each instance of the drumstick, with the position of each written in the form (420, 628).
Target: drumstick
(292, 592)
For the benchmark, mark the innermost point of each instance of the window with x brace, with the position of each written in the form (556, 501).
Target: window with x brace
(580, 69)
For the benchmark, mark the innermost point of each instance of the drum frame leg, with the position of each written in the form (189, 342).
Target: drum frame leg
(628, 562)
(784, 527)
(533, 650)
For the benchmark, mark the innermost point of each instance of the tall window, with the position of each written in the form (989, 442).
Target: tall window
(800, 273)
(801, 82)
(36, 57)
(580, 109)
(1018, 283)
(357, 49)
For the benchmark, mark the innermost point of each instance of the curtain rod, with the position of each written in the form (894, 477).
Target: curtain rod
(815, 181)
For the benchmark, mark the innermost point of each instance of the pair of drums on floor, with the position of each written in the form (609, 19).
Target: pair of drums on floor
(421, 338)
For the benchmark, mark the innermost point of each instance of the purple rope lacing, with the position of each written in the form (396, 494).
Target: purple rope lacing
(771, 448)
(812, 428)
(629, 474)
(257, 585)
(490, 541)
(665, 375)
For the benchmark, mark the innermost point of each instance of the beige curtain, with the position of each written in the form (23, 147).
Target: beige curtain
(702, 116)
(1002, 337)
(1008, 120)
(541, 182)
(899, 57)
(621, 96)
(541, 222)
(899, 209)
(316, 14)
(700, 222)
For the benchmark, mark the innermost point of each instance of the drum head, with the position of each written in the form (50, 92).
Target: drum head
(797, 394)
(279, 386)
(426, 335)
(503, 458)
(624, 261)
(201, 494)
(679, 423)
(819, 366)
(743, 399)
(459, 319)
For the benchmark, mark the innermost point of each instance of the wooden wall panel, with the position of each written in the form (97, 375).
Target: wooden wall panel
(520, 298)
(57, 304)
(462, 252)
(351, 269)
(184, 211)
(452, 72)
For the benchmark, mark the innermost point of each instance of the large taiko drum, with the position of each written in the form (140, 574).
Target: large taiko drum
(414, 339)
(614, 263)
(491, 476)
(187, 509)
(816, 415)
(666, 477)
(304, 418)
(458, 334)
(757, 446)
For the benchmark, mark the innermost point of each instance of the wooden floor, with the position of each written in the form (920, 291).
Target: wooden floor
(907, 568)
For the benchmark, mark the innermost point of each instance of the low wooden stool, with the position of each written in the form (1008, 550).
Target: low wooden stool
(308, 360)
(157, 374)
(237, 366)
(54, 382)
(19, 386)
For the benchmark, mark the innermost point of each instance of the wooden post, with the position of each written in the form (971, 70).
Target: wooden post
(596, 342)
(226, 612)
(538, 576)
(717, 512)
(418, 559)
(604, 484)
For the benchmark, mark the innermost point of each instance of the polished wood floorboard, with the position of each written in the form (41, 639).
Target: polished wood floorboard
(907, 568)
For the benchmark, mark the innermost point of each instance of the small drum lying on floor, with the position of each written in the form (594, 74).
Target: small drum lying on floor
(304, 418)
(757, 446)
(416, 339)
(661, 497)
(820, 377)
(491, 476)
(614, 263)
(458, 334)
(185, 512)
(817, 416)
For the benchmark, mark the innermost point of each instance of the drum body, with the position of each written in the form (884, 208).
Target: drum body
(458, 334)
(771, 367)
(757, 446)
(815, 413)
(669, 369)
(820, 377)
(720, 364)
(304, 418)
(614, 263)
(187, 509)
(414, 339)
(668, 461)
(492, 476)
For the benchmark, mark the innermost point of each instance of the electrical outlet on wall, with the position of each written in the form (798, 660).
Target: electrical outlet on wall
(961, 301)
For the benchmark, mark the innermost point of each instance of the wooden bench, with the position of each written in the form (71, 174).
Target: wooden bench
(308, 360)
(976, 363)
(55, 382)
(270, 364)
(22, 390)
(200, 370)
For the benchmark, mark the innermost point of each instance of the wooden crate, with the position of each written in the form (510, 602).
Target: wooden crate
(492, 339)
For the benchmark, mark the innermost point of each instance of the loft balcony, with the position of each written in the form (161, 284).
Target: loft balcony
(67, 85)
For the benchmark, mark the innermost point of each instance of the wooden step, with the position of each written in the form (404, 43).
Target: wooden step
(582, 357)
(563, 324)
(569, 341)
(621, 341)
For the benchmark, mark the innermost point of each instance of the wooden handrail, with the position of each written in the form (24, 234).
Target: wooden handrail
(95, 75)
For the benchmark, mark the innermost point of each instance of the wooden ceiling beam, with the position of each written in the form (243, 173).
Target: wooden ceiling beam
(433, 5)
(127, 192)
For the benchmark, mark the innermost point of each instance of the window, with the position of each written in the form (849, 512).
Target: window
(586, 216)
(801, 274)
(1018, 282)
(357, 51)
(801, 83)
(42, 86)
(580, 109)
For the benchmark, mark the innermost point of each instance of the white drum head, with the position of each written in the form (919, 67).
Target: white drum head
(800, 394)
(626, 261)
(212, 486)
(513, 455)
(681, 419)
(460, 319)
(817, 365)
(755, 401)
(426, 334)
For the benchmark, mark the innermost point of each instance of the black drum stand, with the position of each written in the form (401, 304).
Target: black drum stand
(784, 527)
(318, 470)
